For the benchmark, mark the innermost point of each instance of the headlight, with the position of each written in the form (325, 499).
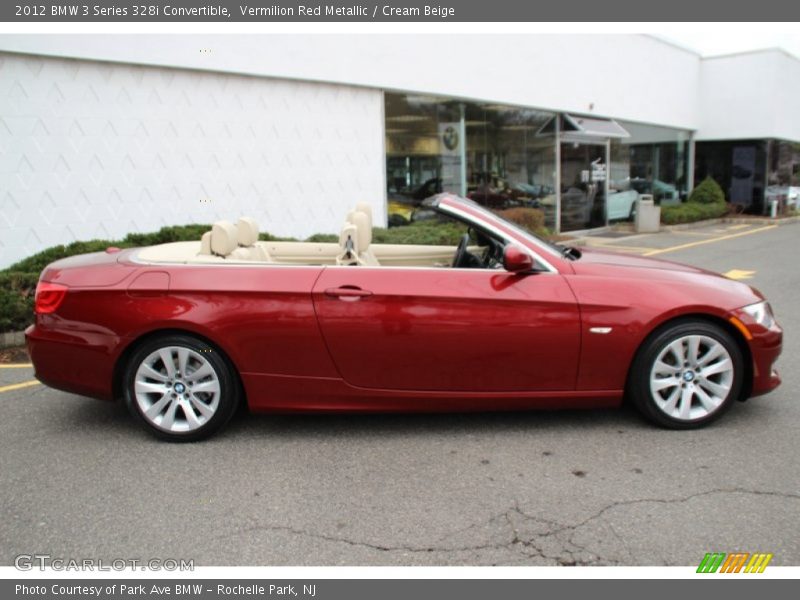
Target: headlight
(761, 314)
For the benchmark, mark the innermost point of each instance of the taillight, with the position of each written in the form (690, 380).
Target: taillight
(49, 297)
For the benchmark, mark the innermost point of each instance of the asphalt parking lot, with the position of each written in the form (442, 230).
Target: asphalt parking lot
(80, 479)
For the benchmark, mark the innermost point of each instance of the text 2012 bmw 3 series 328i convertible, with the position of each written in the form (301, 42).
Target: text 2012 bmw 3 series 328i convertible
(185, 332)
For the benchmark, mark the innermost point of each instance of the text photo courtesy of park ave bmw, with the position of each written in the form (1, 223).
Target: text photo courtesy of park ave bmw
(290, 309)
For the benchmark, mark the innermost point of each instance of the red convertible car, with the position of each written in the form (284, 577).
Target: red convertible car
(185, 332)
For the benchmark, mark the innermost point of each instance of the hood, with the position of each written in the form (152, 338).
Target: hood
(596, 256)
(691, 284)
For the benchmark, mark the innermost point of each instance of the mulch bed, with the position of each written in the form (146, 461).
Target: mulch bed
(17, 354)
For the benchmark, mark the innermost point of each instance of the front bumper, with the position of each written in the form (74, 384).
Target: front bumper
(765, 348)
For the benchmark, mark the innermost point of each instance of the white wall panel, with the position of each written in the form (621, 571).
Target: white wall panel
(632, 77)
(91, 149)
(750, 95)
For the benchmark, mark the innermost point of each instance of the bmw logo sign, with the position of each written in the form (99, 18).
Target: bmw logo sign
(450, 138)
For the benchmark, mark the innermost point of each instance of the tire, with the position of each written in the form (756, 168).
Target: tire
(686, 375)
(166, 401)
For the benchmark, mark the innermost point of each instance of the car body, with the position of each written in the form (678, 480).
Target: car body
(397, 328)
(621, 204)
(665, 194)
(789, 195)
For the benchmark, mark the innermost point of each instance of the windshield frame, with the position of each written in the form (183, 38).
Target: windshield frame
(492, 220)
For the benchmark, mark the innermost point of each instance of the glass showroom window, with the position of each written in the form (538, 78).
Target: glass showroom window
(489, 153)
(653, 160)
(783, 176)
(739, 167)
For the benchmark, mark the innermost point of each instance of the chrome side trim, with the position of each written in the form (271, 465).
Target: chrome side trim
(601, 330)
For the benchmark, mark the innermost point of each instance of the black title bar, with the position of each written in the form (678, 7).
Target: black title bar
(106, 11)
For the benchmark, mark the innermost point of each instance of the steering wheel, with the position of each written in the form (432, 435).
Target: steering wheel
(461, 251)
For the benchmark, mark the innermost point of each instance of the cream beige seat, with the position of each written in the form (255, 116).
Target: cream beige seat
(220, 241)
(247, 241)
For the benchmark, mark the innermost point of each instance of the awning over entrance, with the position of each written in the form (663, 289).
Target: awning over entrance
(595, 127)
(585, 126)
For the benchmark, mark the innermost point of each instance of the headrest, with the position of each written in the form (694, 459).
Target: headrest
(223, 238)
(366, 208)
(205, 243)
(361, 221)
(349, 231)
(247, 231)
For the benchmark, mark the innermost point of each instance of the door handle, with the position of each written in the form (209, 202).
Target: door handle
(347, 292)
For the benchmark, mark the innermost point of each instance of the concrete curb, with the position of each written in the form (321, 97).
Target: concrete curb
(12, 338)
(731, 220)
(582, 240)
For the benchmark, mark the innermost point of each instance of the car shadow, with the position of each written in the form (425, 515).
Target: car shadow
(384, 425)
(90, 415)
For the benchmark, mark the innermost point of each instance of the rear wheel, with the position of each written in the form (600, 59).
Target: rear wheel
(687, 375)
(180, 388)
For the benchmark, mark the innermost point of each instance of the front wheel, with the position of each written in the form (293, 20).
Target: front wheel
(180, 388)
(687, 375)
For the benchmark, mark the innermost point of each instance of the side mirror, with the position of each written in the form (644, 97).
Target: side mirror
(516, 260)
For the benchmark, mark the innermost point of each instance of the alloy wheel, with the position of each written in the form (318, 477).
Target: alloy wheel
(177, 389)
(691, 377)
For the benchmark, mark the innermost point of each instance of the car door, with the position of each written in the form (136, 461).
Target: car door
(442, 329)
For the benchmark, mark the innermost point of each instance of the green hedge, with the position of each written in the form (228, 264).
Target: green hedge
(16, 299)
(707, 192)
(691, 212)
(426, 233)
(707, 201)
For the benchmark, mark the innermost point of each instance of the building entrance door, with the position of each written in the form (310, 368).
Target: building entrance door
(584, 174)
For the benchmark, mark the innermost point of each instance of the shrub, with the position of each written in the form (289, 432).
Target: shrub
(321, 238)
(433, 232)
(691, 211)
(531, 219)
(172, 233)
(707, 201)
(707, 192)
(16, 299)
(268, 237)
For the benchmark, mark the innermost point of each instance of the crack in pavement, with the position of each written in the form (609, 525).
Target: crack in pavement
(532, 546)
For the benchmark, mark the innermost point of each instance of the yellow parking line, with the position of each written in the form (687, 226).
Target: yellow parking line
(17, 386)
(17, 366)
(610, 245)
(698, 233)
(621, 247)
(709, 241)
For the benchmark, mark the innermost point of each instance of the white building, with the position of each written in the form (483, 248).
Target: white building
(104, 135)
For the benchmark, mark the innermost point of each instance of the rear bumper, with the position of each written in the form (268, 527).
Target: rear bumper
(75, 362)
(766, 348)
